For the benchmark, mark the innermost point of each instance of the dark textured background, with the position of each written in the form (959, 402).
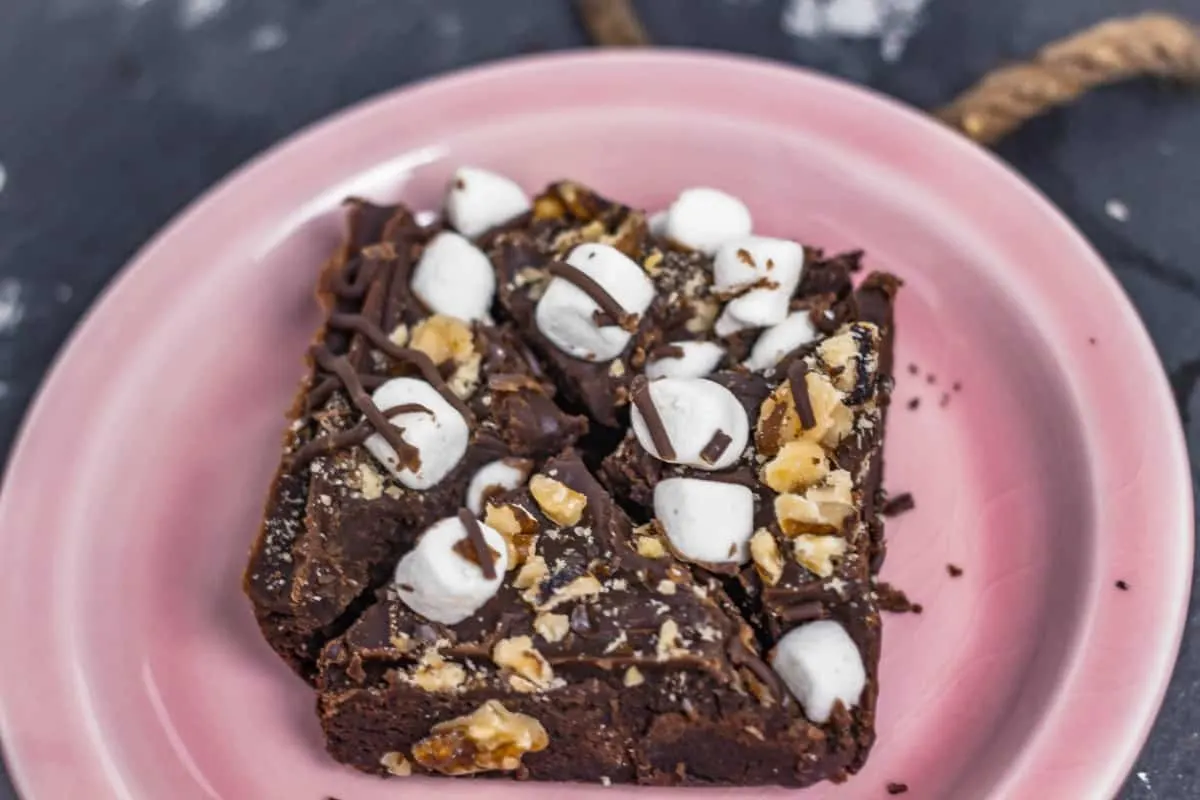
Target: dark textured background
(116, 113)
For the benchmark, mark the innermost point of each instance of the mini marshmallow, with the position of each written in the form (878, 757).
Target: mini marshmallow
(745, 261)
(454, 277)
(500, 473)
(706, 521)
(779, 340)
(820, 664)
(704, 219)
(440, 583)
(657, 223)
(565, 312)
(698, 360)
(479, 200)
(440, 437)
(692, 410)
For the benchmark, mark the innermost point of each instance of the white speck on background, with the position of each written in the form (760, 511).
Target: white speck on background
(3, 177)
(268, 37)
(892, 22)
(194, 13)
(11, 308)
(1117, 210)
(1145, 780)
(63, 293)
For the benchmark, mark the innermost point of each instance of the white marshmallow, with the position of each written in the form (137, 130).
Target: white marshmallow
(698, 360)
(565, 312)
(706, 521)
(704, 219)
(657, 222)
(441, 437)
(820, 664)
(779, 340)
(442, 585)
(454, 277)
(498, 473)
(692, 411)
(479, 200)
(744, 261)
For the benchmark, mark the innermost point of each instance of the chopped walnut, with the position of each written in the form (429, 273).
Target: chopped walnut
(370, 482)
(443, 339)
(435, 674)
(816, 553)
(519, 655)
(797, 466)
(841, 353)
(399, 336)
(617, 368)
(668, 640)
(768, 561)
(778, 422)
(653, 262)
(396, 764)
(634, 677)
(651, 547)
(400, 642)
(562, 504)
(490, 738)
(583, 586)
(519, 529)
(552, 627)
(822, 509)
(531, 574)
(666, 587)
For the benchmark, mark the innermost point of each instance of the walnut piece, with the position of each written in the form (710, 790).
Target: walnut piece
(583, 586)
(648, 543)
(443, 339)
(816, 553)
(842, 352)
(768, 561)
(399, 336)
(491, 738)
(778, 422)
(436, 674)
(822, 509)
(668, 640)
(634, 677)
(552, 627)
(519, 529)
(370, 482)
(797, 466)
(396, 764)
(519, 655)
(562, 504)
(532, 573)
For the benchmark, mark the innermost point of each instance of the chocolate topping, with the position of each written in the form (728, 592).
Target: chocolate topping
(716, 447)
(665, 351)
(407, 408)
(329, 443)
(611, 312)
(654, 423)
(796, 380)
(484, 556)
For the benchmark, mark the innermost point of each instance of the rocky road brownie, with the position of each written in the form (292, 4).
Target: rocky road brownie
(439, 559)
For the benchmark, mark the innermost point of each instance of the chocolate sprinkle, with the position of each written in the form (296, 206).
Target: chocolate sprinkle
(954, 570)
(914, 404)
(716, 447)
(408, 408)
(654, 423)
(665, 351)
(796, 379)
(897, 788)
(802, 612)
(900, 504)
(611, 309)
(1123, 586)
(484, 556)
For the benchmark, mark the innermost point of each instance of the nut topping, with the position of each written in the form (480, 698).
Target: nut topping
(518, 654)
(797, 466)
(562, 504)
(768, 561)
(816, 553)
(396, 764)
(489, 739)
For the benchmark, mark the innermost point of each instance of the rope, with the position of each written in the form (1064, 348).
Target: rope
(1156, 45)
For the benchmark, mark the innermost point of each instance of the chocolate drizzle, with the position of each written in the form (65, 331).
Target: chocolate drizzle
(644, 403)
(742, 656)
(429, 371)
(324, 445)
(407, 455)
(796, 380)
(802, 612)
(363, 271)
(716, 447)
(611, 312)
(407, 408)
(484, 556)
(665, 351)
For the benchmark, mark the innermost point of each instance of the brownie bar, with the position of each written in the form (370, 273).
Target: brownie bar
(438, 559)
(336, 520)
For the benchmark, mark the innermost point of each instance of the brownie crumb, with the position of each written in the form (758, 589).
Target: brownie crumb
(931, 379)
(897, 788)
(899, 504)
(895, 601)
(1123, 586)
(912, 369)
(954, 570)
(1091, 340)
(914, 404)
(957, 386)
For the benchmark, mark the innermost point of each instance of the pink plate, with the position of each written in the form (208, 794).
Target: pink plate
(131, 665)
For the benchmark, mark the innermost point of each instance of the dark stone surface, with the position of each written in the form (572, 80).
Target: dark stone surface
(115, 113)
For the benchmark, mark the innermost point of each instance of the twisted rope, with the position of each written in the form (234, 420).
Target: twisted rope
(1156, 45)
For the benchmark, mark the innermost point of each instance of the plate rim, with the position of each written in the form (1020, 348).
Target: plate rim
(1173, 598)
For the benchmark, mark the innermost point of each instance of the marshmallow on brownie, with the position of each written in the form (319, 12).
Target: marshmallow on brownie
(820, 664)
(435, 432)
(454, 277)
(593, 302)
(456, 566)
(494, 478)
(478, 200)
(694, 422)
(777, 341)
(708, 522)
(704, 219)
(687, 359)
(759, 275)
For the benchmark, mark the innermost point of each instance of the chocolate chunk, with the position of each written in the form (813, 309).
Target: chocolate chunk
(716, 447)
(611, 312)
(900, 504)
(796, 380)
(954, 570)
(644, 403)
(480, 552)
